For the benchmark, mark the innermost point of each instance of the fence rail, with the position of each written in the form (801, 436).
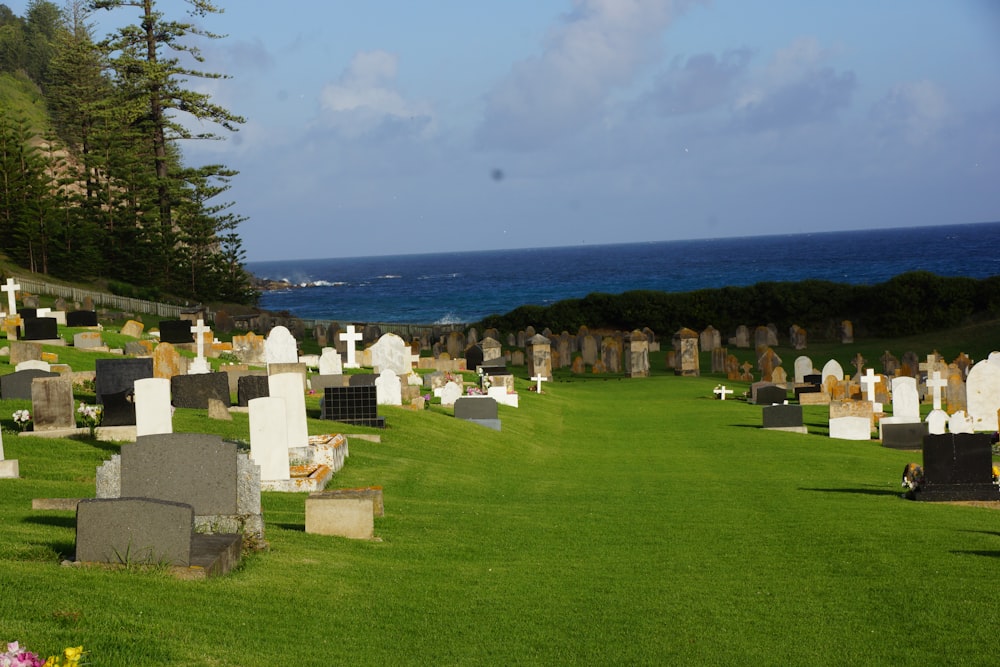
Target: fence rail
(123, 303)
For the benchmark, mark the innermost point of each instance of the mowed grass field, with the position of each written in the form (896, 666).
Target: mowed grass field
(611, 521)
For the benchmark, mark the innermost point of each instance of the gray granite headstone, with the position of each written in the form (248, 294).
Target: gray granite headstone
(904, 436)
(133, 531)
(362, 380)
(250, 387)
(114, 376)
(481, 410)
(193, 391)
(782, 416)
(18, 384)
(194, 468)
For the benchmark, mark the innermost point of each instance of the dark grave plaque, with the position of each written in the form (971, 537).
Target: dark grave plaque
(352, 405)
(473, 357)
(361, 380)
(115, 376)
(176, 332)
(480, 410)
(904, 436)
(771, 394)
(139, 530)
(958, 466)
(193, 391)
(27, 313)
(814, 379)
(250, 387)
(811, 389)
(18, 384)
(782, 416)
(495, 369)
(40, 328)
(119, 409)
(81, 318)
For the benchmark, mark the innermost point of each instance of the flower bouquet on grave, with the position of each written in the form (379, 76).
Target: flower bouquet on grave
(913, 477)
(91, 416)
(15, 656)
(23, 420)
(484, 381)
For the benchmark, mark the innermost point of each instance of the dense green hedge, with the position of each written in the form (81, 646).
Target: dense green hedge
(907, 304)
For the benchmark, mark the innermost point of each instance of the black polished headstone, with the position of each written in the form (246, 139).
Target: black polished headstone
(771, 394)
(27, 313)
(473, 357)
(18, 384)
(958, 466)
(809, 389)
(782, 416)
(904, 436)
(193, 391)
(814, 379)
(495, 368)
(119, 409)
(250, 387)
(113, 376)
(352, 405)
(40, 328)
(176, 332)
(81, 318)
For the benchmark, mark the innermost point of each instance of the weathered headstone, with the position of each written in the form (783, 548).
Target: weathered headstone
(388, 388)
(133, 329)
(803, 366)
(540, 356)
(134, 531)
(391, 352)
(280, 347)
(9, 468)
(168, 362)
(449, 393)
(330, 362)
(249, 349)
(52, 403)
(638, 354)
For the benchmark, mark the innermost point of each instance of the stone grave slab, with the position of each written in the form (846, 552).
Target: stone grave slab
(18, 384)
(958, 466)
(176, 332)
(88, 340)
(250, 387)
(480, 410)
(346, 513)
(352, 405)
(21, 351)
(194, 391)
(320, 382)
(114, 376)
(126, 531)
(851, 428)
(903, 435)
(269, 438)
(361, 380)
(783, 418)
(153, 411)
(81, 318)
(770, 394)
(52, 403)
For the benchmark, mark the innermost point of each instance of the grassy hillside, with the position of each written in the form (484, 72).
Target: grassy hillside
(611, 521)
(20, 98)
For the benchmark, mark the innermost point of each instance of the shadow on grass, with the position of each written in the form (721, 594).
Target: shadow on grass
(987, 554)
(57, 521)
(866, 492)
(290, 526)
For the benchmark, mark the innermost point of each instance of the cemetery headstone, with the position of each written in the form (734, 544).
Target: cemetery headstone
(250, 387)
(17, 385)
(52, 403)
(134, 531)
(903, 435)
(449, 393)
(168, 362)
(388, 388)
(783, 418)
(176, 332)
(851, 428)
(473, 357)
(200, 365)
(390, 352)
(153, 412)
(958, 466)
(983, 393)
(268, 437)
(330, 362)
(132, 329)
(41, 328)
(81, 318)
(540, 356)
(350, 338)
(280, 347)
(352, 405)
(194, 391)
(803, 366)
(9, 468)
(288, 387)
(480, 410)
(638, 355)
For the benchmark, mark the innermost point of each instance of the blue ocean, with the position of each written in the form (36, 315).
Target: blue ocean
(467, 286)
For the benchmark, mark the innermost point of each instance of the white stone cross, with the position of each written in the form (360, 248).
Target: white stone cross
(721, 391)
(10, 288)
(869, 381)
(351, 337)
(538, 380)
(936, 384)
(200, 364)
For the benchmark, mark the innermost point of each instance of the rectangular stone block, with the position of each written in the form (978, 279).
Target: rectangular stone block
(341, 516)
(129, 531)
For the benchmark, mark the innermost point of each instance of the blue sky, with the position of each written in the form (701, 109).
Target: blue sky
(396, 127)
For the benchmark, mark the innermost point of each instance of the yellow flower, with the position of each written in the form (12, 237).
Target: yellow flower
(50, 662)
(73, 653)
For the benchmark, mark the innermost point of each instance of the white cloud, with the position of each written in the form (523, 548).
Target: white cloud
(917, 110)
(365, 98)
(599, 47)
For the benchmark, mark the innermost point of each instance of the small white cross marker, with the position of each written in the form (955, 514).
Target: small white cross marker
(538, 380)
(721, 391)
(200, 364)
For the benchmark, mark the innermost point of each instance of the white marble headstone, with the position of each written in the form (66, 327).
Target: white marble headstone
(390, 352)
(330, 363)
(833, 368)
(803, 367)
(851, 428)
(269, 437)
(449, 393)
(982, 389)
(153, 412)
(8, 467)
(288, 387)
(34, 365)
(961, 422)
(905, 399)
(388, 390)
(280, 347)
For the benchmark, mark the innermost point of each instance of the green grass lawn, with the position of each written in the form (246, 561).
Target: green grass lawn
(611, 521)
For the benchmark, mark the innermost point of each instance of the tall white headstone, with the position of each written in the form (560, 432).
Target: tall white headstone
(803, 367)
(269, 437)
(8, 467)
(288, 387)
(280, 347)
(390, 352)
(833, 368)
(153, 412)
(982, 390)
(330, 363)
(388, 388)
(351, 337)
